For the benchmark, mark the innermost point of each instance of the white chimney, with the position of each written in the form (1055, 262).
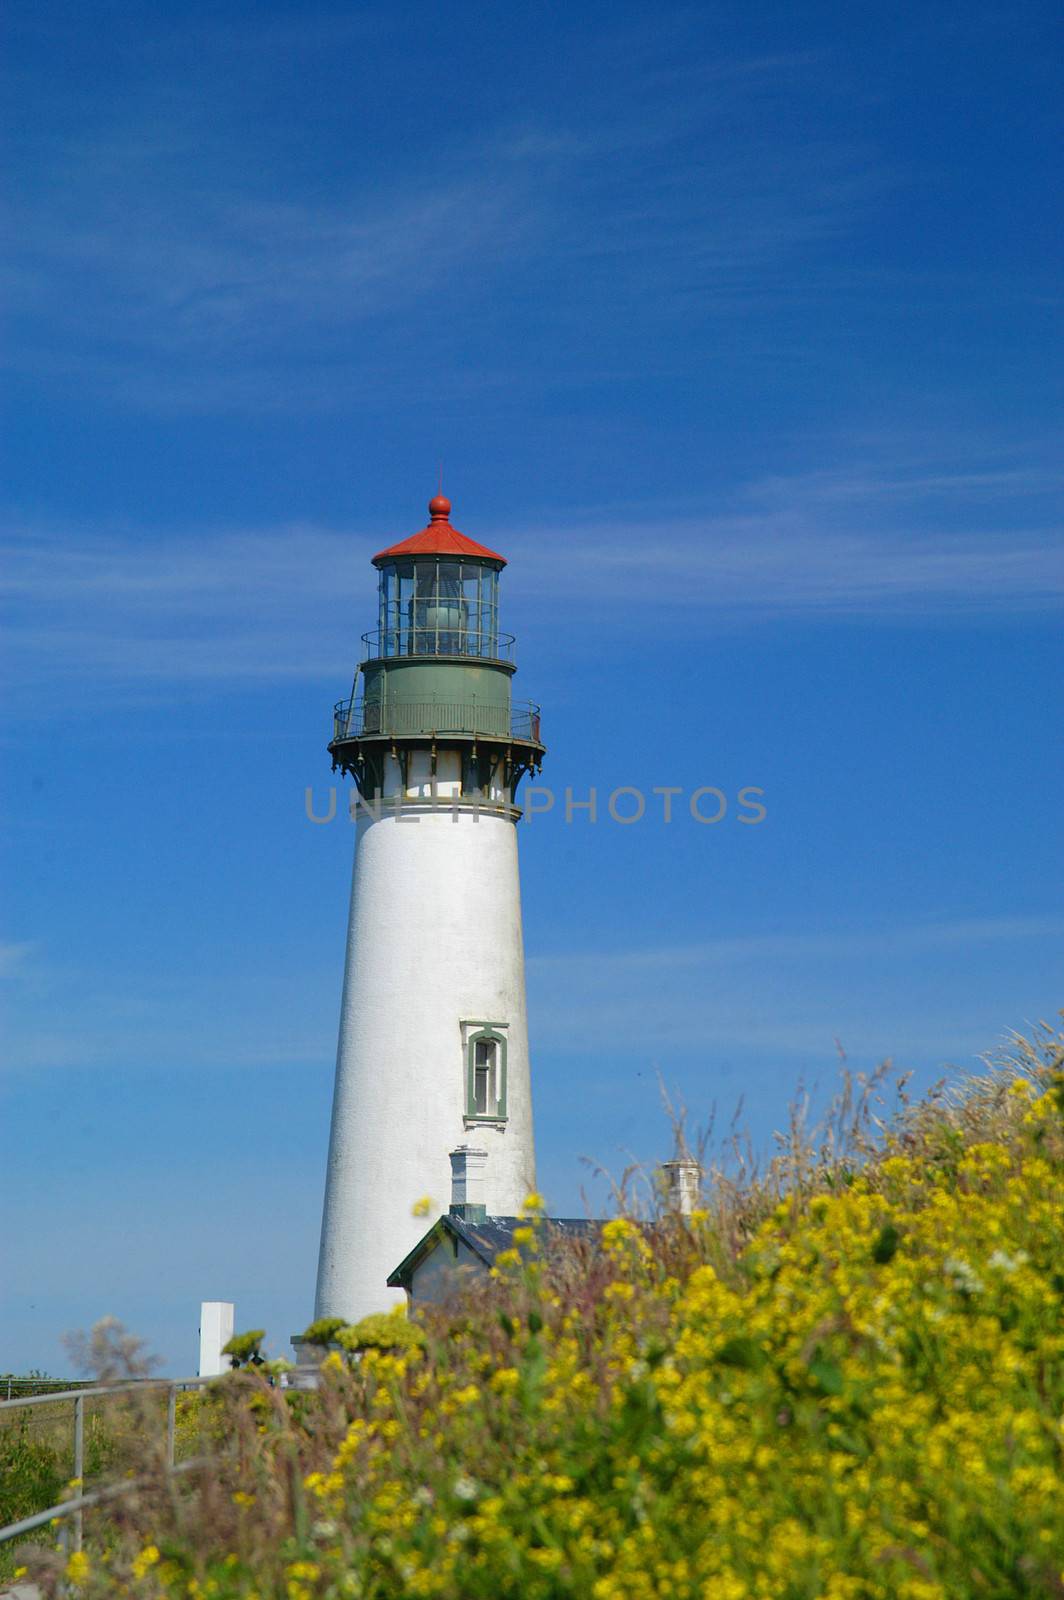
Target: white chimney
(468, 1183)
(215, 1330)
(682, 1182)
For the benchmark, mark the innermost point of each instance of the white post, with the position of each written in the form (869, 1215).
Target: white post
(79, 1466)
(215, 1330)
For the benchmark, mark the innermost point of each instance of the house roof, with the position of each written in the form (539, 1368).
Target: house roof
(440, 539)
(485, 1239)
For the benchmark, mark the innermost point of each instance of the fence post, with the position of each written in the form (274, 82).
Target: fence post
(171, 1424)
(65, 1532)
(79, 1463)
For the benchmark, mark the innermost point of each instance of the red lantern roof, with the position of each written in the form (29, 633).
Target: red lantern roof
(439, 539)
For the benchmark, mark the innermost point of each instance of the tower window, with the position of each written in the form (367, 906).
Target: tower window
(486, 1076)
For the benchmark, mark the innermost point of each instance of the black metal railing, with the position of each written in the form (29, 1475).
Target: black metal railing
(480, 644)
(354, 719)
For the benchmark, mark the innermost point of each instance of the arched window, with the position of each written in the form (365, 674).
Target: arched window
(486, 1076)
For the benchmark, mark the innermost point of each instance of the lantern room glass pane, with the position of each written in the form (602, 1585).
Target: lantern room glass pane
(447, 610)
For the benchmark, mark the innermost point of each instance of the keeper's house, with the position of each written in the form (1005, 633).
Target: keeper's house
(456, 1251)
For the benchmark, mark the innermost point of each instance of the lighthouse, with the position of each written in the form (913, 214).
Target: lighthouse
(433, 1049)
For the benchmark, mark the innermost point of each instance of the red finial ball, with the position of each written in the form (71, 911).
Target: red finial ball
(439, 508)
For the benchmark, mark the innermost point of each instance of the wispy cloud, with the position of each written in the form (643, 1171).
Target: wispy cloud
(236, 272)
(786, 995)
(804, 944)
(181, 270)
(106, 609)
(13, 958)
(918, 537)
(795, 993)
(60, 1014)
(744, 568)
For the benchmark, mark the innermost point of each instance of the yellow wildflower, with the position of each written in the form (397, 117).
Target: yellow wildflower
(147, 1559)
(78, 1568)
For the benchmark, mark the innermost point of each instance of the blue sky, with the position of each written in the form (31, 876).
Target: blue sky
(735, 328)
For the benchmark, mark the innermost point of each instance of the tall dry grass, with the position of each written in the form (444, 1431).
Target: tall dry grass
(841, 1379)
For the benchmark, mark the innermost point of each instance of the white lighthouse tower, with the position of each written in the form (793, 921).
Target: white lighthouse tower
(433, 1051)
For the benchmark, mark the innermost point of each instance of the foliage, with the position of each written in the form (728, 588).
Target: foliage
(109, 1352)
(33, 1475)
(324, 1330)
(124, 1431)
(245, 1348)
(839, 1381)
(36, 1461)
(15, 1386)
(384, 1330)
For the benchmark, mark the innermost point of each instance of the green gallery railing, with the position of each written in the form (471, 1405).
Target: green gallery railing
(356, 719)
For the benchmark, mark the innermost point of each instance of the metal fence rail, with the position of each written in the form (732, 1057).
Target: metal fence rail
(70, 1512)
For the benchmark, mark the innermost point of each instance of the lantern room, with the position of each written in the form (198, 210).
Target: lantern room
(438, 595)
(437, 606)
(435, 679)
